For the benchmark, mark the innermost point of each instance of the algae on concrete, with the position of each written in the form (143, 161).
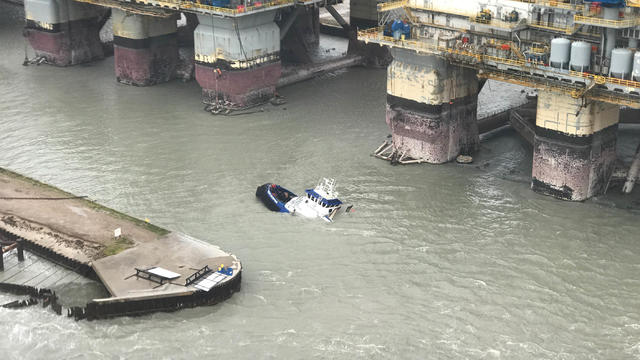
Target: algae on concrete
(118, 245)
(90, 203)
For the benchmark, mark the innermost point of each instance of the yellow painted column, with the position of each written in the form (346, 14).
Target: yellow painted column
(574, 148)
(431, 107)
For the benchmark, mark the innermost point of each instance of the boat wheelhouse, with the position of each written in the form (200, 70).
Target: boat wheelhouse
(321, 201)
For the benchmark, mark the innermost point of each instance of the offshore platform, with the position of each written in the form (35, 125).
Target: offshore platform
(581, 56)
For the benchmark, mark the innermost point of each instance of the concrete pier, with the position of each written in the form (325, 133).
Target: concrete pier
(237, 58)
(431, 107)
(64, 32)
(79, 234)
(574, 150)
(145, 48)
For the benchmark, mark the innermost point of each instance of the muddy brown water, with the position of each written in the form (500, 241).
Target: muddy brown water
(441, 262)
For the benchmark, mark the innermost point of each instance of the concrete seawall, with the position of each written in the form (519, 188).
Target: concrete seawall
(79, 234)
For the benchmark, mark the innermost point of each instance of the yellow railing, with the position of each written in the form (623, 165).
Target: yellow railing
(552, 27)
(375, 34)
(599, 79)
(442, 10)
(391, 5)
(558, 4)
(552, 4)
(590, 20)
(494, 23)
(181, 4)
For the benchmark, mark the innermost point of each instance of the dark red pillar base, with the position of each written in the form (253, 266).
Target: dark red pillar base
(240, 87)
(70, 43)
(573, 167)
(145, 62)
(434, 133)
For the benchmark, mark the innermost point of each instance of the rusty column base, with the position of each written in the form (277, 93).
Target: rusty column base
(144, 62)
(573, 167)
(70, 43)
(242, 88)
(433, 133)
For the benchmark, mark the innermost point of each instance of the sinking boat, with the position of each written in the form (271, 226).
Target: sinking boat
(274, 197)
(319, 202)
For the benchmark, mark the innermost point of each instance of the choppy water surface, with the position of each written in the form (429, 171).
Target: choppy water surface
(436, 261)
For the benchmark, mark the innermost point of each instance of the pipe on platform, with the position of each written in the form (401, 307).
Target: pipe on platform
(634, 171)
(310, 71)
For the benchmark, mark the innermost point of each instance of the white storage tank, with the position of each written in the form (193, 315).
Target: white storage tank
(621, 63)
(636, 66)
(560, 49)
(580, 56)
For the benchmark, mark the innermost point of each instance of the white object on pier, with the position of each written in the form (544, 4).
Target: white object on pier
(210, 281)
(164, 273)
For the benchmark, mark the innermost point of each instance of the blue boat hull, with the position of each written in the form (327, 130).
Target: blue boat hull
(274, 197)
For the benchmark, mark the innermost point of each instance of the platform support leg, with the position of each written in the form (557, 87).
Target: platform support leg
(145, 48)
(431, 107)
(574, 149)
(64, 32)
(237, 59)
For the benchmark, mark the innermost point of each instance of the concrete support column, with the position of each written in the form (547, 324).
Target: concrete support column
(238, 58)
(575, 146)
(303, 37)
(431, 107)
(363, 15)
(145, 48)
(185, 69)
(64, 32)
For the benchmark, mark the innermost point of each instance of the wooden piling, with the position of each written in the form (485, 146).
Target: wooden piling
(20, 251)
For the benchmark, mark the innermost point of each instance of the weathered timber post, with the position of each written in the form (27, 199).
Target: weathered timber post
(20, 250)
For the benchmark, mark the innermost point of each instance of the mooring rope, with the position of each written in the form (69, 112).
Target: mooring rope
(42, 198)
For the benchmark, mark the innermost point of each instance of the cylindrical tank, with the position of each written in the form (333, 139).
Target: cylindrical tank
(621, 63)
(560, 49)
(611, 13)
(580, 56)
(636, 66)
